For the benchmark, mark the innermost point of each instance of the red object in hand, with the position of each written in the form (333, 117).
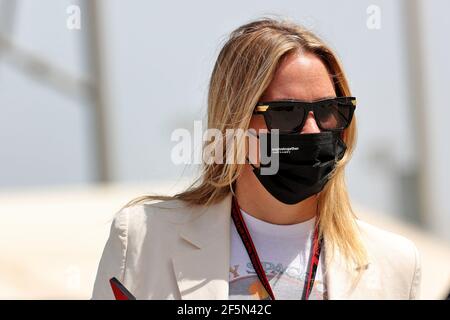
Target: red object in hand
(119, 290)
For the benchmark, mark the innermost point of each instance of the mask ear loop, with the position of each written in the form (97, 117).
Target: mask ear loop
(254, 168)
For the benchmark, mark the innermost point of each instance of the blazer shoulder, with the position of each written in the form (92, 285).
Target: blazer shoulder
(386, 241)
(172, 211)
(389, 244)
(156, 217)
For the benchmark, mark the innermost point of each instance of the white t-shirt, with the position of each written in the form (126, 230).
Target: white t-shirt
(284, 251)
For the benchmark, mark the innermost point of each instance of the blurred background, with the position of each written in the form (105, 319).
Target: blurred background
(90, 92)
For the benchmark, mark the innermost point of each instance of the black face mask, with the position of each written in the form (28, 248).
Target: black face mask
(305, 164)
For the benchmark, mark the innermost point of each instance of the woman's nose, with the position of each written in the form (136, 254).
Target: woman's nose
(310, 125)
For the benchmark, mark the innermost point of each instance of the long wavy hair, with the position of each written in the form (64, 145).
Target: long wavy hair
(243, 70)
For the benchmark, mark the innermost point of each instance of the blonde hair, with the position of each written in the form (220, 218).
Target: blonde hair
(244, 69)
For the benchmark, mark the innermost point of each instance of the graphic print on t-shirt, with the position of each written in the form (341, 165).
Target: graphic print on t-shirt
(284, 251)
(286, 281)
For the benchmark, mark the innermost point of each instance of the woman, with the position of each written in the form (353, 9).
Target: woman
(241, 234)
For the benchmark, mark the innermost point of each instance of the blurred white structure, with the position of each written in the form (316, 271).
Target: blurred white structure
(52, 240)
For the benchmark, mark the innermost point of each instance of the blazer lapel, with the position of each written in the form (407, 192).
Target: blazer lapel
(343, 282)
(202, 262)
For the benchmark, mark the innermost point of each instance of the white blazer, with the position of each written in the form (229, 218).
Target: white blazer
(167, 250)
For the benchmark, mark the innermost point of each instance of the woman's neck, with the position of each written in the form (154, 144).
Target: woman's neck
(254, 199)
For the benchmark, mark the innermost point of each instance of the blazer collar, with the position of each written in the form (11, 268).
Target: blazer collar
(201, 264)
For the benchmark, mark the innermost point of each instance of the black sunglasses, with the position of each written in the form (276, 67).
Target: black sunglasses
(289, 116)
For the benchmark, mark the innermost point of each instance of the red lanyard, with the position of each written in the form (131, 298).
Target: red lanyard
(251, 250)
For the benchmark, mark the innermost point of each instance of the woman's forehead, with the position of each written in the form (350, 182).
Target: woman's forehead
(300, 76)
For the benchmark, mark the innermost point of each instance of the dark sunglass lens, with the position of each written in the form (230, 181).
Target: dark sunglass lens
(285, 118)
(333, 115)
